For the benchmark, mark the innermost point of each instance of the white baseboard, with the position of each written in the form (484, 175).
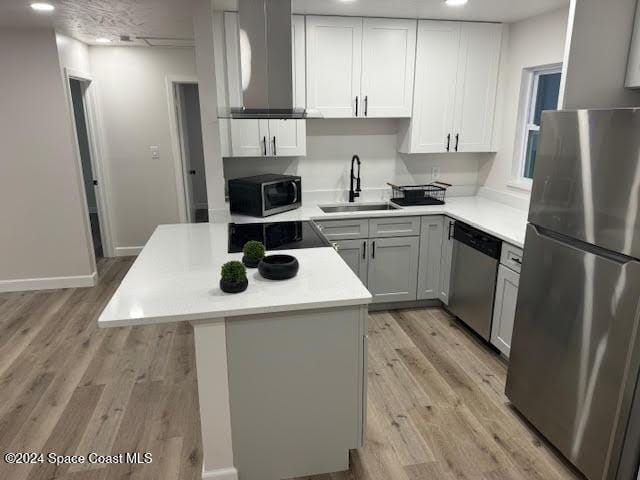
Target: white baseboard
(229, 473)
(514, 200)
(48, 283)
(128, 251)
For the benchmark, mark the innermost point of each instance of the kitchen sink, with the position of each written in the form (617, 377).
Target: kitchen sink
(370, 207)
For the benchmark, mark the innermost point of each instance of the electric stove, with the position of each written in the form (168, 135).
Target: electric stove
(276, 235)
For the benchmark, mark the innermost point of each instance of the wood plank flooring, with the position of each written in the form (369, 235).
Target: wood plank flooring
(436, 408)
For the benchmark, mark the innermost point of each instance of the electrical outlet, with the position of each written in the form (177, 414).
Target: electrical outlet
(155, 152)
(435, 173)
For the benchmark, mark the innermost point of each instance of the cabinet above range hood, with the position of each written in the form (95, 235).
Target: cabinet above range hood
(265, 63)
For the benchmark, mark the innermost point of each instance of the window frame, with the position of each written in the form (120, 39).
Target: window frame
(526, 125)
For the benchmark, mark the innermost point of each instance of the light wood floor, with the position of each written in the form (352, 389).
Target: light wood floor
(436, 407)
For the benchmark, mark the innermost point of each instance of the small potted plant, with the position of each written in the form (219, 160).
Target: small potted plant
(233, 277)
(253, 253)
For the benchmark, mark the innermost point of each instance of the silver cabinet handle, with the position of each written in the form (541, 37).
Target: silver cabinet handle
(295, 191)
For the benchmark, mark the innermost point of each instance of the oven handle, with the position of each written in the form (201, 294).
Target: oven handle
(295, 191)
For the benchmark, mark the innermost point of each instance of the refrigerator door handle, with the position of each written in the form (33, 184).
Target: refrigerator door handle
(584, 246)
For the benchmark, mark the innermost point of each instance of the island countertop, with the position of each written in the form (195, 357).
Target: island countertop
(176, 278)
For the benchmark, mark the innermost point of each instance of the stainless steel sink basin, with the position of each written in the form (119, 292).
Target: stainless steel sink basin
(371, 207)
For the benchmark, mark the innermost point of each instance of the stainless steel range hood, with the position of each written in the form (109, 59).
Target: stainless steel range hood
(265, 62)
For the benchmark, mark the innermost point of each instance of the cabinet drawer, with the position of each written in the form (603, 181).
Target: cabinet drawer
(344, 229)
(394, 227)
(511, 257)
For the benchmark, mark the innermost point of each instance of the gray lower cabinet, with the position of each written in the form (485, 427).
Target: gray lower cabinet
(504, 309)
(430, 257)
(354, 253)
(446, 260)
(393, 269)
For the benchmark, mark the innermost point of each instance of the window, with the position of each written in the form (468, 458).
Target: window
(543, 95)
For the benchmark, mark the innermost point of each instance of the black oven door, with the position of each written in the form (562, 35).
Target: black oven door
(280, 196)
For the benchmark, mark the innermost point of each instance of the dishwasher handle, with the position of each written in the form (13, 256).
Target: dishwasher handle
(477, 239)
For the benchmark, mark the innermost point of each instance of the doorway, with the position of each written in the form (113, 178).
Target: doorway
(78, 90)
(189, 127)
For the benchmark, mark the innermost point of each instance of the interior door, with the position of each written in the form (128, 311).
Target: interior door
(476, 86)
(573, 367)
(287, 138)
(388, 60)
(436, 74)
(334, 62)
(393, 268)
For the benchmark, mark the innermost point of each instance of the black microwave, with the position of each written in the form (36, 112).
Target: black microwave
(264, 195)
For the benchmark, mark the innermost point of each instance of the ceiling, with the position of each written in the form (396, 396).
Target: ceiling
(87, 20)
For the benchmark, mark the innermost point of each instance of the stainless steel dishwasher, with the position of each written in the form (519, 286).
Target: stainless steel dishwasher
(474, 270)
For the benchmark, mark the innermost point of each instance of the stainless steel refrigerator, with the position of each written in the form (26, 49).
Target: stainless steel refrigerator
(575, 353)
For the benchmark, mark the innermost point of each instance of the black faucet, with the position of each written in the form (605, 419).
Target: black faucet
(354, 194)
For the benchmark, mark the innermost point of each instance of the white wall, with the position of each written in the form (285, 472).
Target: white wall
(43, 232)
(134, 115)
(73, 54)
(332, 142)
(598, 53)
(533, 42)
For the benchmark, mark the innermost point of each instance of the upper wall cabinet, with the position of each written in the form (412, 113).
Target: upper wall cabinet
(360, 67)
(255, 138)
(456, 83)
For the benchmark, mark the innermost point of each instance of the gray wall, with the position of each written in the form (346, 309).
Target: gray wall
(598, 53)
(43, 230)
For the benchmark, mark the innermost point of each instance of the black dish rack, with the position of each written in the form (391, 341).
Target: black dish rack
(408, 195)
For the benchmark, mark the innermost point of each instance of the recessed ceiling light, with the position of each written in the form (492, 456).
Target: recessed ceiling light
(455, 3)
(103, 40)
(42, 7)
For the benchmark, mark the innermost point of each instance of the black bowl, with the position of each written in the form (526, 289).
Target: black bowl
(278, 267)
(234, 287)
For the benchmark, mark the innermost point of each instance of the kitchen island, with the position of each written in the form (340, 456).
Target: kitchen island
(281, 367)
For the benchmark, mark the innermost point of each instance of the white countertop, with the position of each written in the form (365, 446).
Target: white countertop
(176, 278)
(498, 219)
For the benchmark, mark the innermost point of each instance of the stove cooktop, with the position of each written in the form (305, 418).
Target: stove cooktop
(276, 235)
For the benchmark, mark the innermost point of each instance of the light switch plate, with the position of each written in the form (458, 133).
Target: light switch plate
(435, 173)
(155, 152)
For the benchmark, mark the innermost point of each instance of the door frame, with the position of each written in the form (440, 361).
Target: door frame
(172, 83)
(99, 171)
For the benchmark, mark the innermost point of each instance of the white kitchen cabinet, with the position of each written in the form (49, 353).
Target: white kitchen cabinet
(430, 257)
(334, 62)
(504, 309)
(288, 138)
(256, 138)
(360, 67)
(393, 269)
(476, 86)
(446, 260)
(249, 138)
(388, 61)
(354, 253)
(455, 88)
(436, 68)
